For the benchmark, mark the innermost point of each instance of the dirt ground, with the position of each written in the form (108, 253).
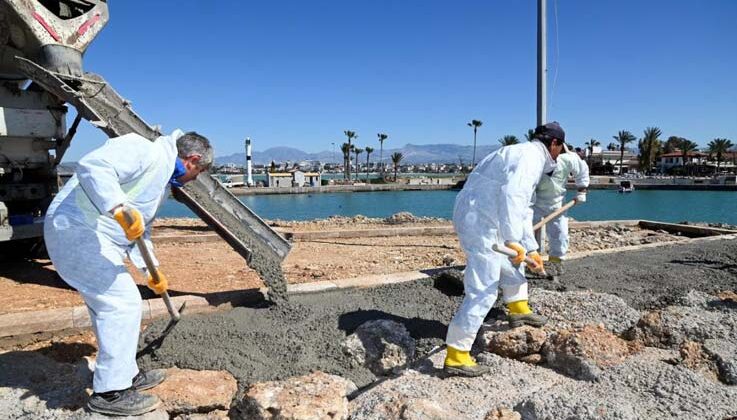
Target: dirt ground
(212, 266)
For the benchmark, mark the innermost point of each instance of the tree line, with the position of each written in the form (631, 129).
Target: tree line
(349, 148)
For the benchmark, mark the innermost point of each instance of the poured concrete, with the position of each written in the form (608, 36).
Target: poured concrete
(260, 343)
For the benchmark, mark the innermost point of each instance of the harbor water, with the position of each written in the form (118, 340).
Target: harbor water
(666, 206)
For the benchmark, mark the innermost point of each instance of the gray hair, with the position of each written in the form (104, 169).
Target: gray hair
(192, 143)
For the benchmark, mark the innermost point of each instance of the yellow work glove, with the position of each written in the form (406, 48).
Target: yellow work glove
(133, 230)
(521, 253)
(538, 267)
(160, 287)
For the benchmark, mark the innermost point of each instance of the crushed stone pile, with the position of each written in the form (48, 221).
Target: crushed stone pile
(616, 236)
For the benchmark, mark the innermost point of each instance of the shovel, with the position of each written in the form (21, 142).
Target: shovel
(554, 214)
(173, 312)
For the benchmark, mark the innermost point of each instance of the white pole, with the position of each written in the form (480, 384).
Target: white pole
(542, 62)
(249, 168)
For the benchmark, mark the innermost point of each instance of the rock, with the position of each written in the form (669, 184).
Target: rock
(314, 396)
(669, 327)
(401, 217)
(532, 359)
(196, 391)
(728, 295)
(381, 345)
(582, 353)
(212, 415)
(692, 356)
(448, 260)
(159, 414)
(422, 409)
(565, 310)
(725, 354)
(405, 408)
(554, 407)
(503, 413)
(516, 343)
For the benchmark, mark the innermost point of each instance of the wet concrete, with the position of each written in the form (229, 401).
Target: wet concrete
(275, 342)
(304, 334)
(656, 277)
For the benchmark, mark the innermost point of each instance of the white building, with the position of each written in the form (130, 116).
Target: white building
(294, 178)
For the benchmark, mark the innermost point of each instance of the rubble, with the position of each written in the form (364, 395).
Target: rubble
(196, 391)
(314, 396)
(582, 353)
(565, 310)
(503, 413)
(693, 357)
(671, 326)
(615, 236)
(517, 343)
(724, 354)
(383, 346)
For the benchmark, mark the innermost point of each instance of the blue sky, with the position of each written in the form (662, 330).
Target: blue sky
(297, 73)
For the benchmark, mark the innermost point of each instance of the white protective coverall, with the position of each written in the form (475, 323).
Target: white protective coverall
(493, 207)
(87, 245)
(549, 197)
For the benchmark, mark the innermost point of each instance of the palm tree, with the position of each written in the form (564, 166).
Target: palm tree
(650, 147)
(508, 140)
(686, 146)
(346, 149)
(612, 146)
(382, 137)
(369, 150)
(475, 124)
(351, 135)
(590, 145)
(357, 151)
(624, 137)
(530, 134)
(718, 147)
(396, 159)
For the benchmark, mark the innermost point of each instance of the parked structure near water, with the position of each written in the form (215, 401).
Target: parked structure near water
(293, 178)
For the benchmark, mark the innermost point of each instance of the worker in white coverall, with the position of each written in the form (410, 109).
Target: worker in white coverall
(87, 237)
(494, 207)
(550, 193)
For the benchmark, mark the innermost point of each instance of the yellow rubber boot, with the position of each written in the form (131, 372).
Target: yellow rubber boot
(520, 314)
(555, 260)
(460, 363)
(520, 307)
(456, 357)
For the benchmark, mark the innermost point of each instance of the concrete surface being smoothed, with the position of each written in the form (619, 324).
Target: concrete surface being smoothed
(265, 342)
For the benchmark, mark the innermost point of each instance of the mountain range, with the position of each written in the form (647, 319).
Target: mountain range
(413, 154)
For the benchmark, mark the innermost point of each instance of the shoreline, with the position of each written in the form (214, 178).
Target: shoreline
(244, 191)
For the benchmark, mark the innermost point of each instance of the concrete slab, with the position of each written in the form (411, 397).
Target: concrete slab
(36, 321)
(319, 286)
(380, 279)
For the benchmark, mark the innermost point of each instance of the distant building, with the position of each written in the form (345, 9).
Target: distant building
(610, 159)
(671, 160)
(294, 178)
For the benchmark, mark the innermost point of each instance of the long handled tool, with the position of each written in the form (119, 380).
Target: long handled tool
(173, 312)
(554, 214)
(512, 253)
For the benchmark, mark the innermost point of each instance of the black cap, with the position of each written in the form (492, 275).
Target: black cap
(549, 131)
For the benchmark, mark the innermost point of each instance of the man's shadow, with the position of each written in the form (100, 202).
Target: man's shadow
(58, 374)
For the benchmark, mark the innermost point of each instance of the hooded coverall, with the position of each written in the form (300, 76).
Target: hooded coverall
(549, 197)
(494, 207)
(87, 245)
